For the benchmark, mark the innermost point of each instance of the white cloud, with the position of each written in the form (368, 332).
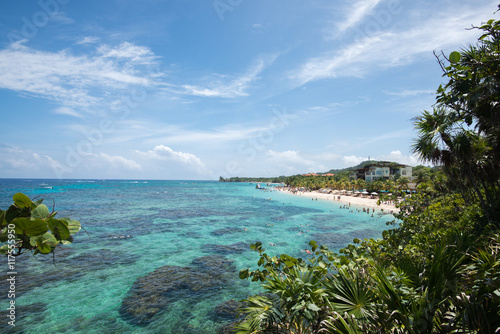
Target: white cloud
(236, 87)
(397, 156)
(117, 162)
(352, 160)
(226, 134)
(61, 17)
(165, 153)
(88, 40)
(67, 111)
(75, 81)
(21, 162)
(386, 48)
(129, 51)
(293, 161)
(356, 13)
(410, 92)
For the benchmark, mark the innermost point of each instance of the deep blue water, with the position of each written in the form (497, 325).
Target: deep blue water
(190, 237)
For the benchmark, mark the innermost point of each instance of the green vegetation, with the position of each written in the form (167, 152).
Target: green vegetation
(30, 226)
(437, 270)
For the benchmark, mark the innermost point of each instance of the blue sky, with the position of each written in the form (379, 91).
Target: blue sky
(197, 89)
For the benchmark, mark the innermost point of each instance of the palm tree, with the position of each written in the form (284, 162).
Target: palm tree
(360, 184)
(402, 183)
(390, 185)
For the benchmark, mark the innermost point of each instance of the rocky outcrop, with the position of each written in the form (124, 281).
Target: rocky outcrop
(156, 292)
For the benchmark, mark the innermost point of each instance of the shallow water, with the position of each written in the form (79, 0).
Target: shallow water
(136, 228)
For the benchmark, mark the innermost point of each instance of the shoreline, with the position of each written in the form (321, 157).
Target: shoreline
(360, 201)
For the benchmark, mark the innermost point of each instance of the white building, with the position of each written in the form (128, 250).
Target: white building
(381, 170)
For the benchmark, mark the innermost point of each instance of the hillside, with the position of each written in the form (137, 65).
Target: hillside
(278, 179)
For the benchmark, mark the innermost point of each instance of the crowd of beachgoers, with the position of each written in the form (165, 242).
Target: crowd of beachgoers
(363, 199)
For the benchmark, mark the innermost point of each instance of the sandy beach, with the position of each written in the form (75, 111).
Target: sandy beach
(361, 201)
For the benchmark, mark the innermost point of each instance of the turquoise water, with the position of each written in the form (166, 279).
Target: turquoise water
(189, 237)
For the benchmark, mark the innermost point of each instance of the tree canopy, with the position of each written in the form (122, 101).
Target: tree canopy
(436, 270)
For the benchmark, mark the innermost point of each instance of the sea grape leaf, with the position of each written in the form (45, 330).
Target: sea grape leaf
(12, 213)
(73, 225)
(59, 229)
(67, 241)
(30, 227)
(44, 243)
(243, 273)
(40, 212)
(22, 201)
(4, 249)
(455, 57)
(38, 202)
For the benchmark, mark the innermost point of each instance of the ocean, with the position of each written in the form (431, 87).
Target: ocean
(161, 256)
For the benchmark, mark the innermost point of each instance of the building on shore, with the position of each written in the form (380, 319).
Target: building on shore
(381, 170)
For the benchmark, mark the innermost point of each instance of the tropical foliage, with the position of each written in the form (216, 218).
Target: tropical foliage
(30, 226)
(437, 269)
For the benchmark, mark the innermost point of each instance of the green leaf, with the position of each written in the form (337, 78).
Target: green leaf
(45, 243)
(455, 57)
(4, 249)
(59, 229)
(48, 243)
(313, 307)
(12, 213)
(22, 201)
(38, 202)
(40, 212)
(67, 241)
(243, 273)
(73, 225)
(30, 227)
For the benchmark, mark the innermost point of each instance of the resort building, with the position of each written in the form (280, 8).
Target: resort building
(381, 170)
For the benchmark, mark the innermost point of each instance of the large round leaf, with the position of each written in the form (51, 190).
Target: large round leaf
(21, 200)
(40, 212)
(45, 243)
(455, 57)
(59, 229)
(73, 225)
(30, 227)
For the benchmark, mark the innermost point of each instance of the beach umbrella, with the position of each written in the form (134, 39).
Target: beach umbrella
(365, 192)
(374, 193)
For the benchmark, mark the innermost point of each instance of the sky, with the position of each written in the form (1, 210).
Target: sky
(195, 90)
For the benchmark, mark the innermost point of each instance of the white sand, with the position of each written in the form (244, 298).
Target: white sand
(361, 201)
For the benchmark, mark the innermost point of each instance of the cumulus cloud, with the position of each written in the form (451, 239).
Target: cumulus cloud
(165, 153)
(294, 161)
(21, 162)
(117, 162)
(397, 156)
